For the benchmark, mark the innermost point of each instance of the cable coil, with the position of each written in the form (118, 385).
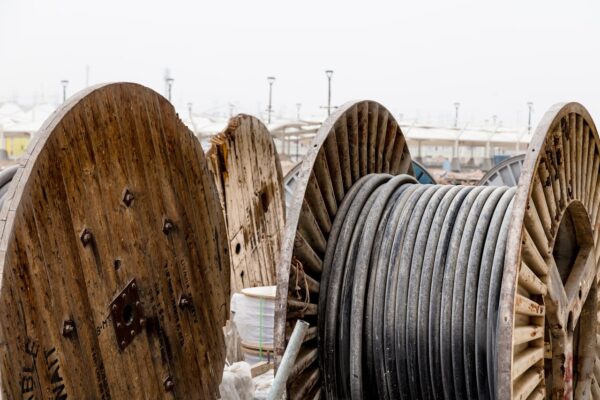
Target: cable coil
(410, 290)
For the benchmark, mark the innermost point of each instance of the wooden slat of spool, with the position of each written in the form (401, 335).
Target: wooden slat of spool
(246, 167)
(116, 162)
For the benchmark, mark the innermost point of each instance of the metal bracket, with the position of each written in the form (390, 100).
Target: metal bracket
(127, 315)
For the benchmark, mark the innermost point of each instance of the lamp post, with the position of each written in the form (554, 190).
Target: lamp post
(270, 79)
(456, 107)
(298, 106)
(329, 74)
(530, 106)
(64, 83)
(169, 81)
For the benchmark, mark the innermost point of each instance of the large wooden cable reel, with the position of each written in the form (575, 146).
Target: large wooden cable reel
(115, 272)
(247, 171)
(359, 138)
(543, 341)
(550, 277)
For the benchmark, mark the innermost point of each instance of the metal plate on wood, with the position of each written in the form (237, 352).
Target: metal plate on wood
(127, 315)
(72, 240)
(247, 172)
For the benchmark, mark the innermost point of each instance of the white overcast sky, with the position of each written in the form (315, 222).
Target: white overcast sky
(415, 57)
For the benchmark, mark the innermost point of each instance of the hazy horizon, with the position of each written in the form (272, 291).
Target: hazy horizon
(417, 59)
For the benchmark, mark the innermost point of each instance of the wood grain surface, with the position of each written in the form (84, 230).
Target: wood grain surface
(114, 162)
(246, 168)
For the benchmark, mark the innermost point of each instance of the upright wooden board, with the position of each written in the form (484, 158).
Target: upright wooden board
(113, 225)
(246, 168)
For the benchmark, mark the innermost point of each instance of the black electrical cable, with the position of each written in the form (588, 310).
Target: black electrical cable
(409, 294)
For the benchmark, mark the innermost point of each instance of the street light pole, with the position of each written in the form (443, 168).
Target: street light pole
(456, 107)
(298, 106)
(169, 87)
(329, 74)
(270, 79)
(64, 83)
(530, 106)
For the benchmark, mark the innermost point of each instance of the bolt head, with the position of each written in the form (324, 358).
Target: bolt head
(128, 197)
(168, 226)
(86, 237)
(68, 328)
(132, 332)
(169, 385)
(184, 301)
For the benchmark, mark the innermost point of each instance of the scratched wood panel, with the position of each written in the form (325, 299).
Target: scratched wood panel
(246, 168)
(114, 193)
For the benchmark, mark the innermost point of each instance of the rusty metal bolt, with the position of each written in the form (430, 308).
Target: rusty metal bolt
(128, 198)
(132, 332)
(184, 301)
(86, 237)
(68, 328)
(167, 226)
(169, 385)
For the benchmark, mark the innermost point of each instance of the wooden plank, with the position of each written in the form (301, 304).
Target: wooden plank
(58, 284)
(246, 168)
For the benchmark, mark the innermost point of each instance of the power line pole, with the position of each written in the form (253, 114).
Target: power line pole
(530, 106)
(456, 107)
(329, 74)
(270, 79)
(64, 83)
(169, 82)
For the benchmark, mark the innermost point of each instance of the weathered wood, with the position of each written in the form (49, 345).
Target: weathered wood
(114, 191)
(246, 168)
(360, 138)
(554, 238)
(260, 368)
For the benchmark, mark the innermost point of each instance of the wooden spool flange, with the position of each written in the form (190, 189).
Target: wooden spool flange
(547, 343)
(506, 173)
(358, 139)
(247, 171)
(115, 272)
(547, 325)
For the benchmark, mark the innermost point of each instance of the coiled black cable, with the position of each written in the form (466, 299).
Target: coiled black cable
(410, 288)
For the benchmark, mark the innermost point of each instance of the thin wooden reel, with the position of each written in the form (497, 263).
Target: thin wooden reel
(505, 173)
(115, 272)
(359, 138)
(246, 168)
(548, 305)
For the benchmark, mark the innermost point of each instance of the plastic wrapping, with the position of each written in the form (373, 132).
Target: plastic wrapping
(237, 383)
(254, 316)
